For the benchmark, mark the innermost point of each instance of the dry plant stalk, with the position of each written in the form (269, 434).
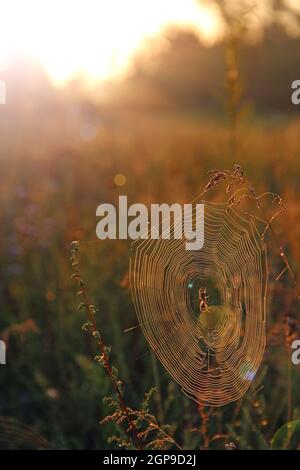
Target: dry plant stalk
(104, 350)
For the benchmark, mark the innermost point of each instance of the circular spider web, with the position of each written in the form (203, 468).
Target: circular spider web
(203, 312)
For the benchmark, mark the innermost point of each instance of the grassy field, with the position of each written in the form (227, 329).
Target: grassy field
(53, 176)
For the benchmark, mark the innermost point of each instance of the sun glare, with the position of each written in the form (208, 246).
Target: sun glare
(94, 38)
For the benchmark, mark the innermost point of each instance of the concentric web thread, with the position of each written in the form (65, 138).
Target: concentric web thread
(203, 312)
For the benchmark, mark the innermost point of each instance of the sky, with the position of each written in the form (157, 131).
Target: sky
(94, 38)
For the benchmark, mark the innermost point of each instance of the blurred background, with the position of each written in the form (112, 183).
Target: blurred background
(137, 98)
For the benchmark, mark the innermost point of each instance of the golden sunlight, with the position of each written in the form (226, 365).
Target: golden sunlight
(94, 38)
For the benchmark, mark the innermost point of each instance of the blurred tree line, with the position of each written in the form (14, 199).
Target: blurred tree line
(190, 75)
(184, 75)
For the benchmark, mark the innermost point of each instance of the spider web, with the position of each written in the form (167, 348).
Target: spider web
(213, 350)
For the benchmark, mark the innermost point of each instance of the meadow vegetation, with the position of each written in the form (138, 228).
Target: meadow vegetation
(60, 154)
